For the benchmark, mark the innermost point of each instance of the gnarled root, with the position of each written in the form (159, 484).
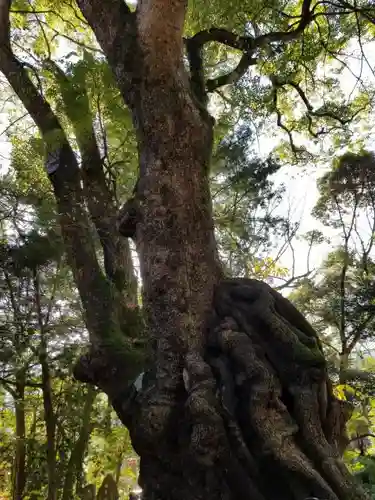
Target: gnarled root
(256, 418)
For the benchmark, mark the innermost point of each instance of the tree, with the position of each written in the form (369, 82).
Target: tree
(339, 300)
(244, 202)
(347, 204)
(235, 388)
(38, 308)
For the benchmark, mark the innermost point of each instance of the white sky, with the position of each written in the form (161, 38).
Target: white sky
(302, 192)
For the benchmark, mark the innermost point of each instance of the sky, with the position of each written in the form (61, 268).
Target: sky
(301, 184)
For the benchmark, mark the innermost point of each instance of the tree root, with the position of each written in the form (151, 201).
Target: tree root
(256, 416)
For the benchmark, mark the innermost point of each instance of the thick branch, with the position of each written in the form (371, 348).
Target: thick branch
(287, 36)
(232, 77)
(102, 314)
(116, 251)
(350, 374)
(249, 45)
(115, 29)
(221, 35)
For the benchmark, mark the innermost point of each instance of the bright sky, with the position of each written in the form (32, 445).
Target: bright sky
(302, 192)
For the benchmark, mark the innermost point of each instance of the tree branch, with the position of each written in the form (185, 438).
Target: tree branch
(350, 374)
(280, 123)
(28, 383)
(317, 113)
(291, 281)
(232, 77)
(114, 26)
(100, 201)
(221, 35)
(64, 175)
(287, 36)
(361, 436)
(248, 44)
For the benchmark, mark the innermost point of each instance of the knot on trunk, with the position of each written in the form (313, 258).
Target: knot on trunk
(208, 436)
(128, 218)
(129, 214)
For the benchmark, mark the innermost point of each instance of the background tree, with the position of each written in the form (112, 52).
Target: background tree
(48, 419)
(245, 202)
(339, 299)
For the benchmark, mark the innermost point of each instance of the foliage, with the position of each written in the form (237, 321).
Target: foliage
(245, 200)
(339, 299)
(41, 316)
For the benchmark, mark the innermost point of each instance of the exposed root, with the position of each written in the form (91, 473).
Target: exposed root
(256, 418)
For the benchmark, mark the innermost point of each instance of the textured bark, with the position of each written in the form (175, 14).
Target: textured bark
(175, 237)
(256, 401)
(273, 415)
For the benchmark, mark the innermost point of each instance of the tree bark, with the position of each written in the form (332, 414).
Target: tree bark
(49, 412)
(287, 420)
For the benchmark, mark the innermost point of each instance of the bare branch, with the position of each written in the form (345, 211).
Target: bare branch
(280, 123)
(291, 281)
(220, 35)
(28, 383)
(362, 436)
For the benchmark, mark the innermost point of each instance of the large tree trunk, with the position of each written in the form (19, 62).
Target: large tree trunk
(236, 402)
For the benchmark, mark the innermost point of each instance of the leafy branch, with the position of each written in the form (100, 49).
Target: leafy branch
(247, 44)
